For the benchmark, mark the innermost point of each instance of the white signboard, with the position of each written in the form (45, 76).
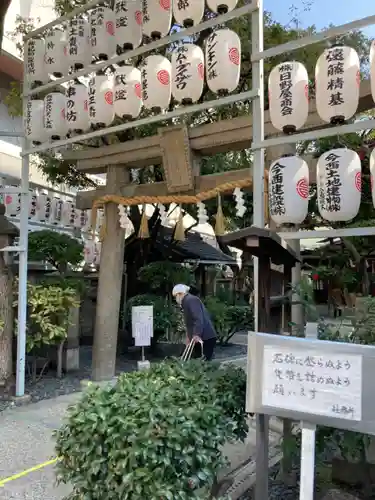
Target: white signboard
(142, 325)
(313, 382)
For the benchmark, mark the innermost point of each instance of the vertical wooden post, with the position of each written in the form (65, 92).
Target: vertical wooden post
(109, 285)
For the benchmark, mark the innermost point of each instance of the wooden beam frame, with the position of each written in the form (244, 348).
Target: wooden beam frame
(213, 138)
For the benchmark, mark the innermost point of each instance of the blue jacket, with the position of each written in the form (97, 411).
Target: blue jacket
(197, 319)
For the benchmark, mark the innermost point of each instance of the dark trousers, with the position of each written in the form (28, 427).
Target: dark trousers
(207, 351)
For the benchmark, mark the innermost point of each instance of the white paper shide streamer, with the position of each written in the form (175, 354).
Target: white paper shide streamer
(128, 17)
(124, 221)
(163, 215)
(202, 213)
(339, 180)
(187, 73)
(240, 202)
(223, 61)
(128, 92)
(156, 83)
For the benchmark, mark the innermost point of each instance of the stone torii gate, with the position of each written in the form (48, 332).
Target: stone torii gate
(178, 148)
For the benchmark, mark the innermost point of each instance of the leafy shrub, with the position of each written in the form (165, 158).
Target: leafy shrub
(228, 320)
(156, 434)
(162, 276)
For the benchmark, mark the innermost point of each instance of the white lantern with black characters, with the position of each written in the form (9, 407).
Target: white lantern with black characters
(33, 121)
(187, 73)
(86, 217)
(338, 179)
(188, 12)
(56, 60)
(128, 18)
(221, 6)
(157, 18)
(223, 61)
(78, 43)
(54, 116)
(372, 69)
(79, 218)
(12, 203)
(337, 81)
(77, 109)
(43, 207)
(36, 71)
(288, 190)
(101, 110)
(56, 211)
(32, 203)
(288, 87)
(89, 252)
(156, 83)
(128, 92)
(68, 214)
(102, 33)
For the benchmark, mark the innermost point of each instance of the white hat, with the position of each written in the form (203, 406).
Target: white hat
(180, 289)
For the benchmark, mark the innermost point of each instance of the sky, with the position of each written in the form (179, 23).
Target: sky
(323, 12)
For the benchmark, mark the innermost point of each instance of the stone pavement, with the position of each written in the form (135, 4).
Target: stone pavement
(26, 441)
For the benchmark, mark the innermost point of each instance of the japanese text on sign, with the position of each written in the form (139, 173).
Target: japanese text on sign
(313, 382)
(142, 325)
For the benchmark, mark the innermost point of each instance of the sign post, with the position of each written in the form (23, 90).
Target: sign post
(143, 331)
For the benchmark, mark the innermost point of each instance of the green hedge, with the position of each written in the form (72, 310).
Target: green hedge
(155, 435)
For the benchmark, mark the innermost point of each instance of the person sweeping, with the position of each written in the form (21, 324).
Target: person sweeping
(199, 327)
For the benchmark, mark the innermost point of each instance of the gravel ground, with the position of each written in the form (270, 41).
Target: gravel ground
(50, 387)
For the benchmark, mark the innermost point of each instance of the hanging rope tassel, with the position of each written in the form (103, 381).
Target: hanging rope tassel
(219, 223)
(179, 231)
(143, 232)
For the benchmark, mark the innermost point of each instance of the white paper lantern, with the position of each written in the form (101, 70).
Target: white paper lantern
(68, 214)
(157, 18)
(89, 252)
(78, 43)
(188, 12)
(43, 208)
(32, 203)
(288, 190)
(77, 108)
(56, 60)
(54, 115)
(156, 83)
(86, 218)
(128, 17)
(339, 184)
(101, 110)
(288, 93)
(223, 61)
(12, 203)
(56, 211)
(221, 6)
(337, 81)
(128, 92)
(36, 72)
(372, 69)
(33, 120)
(187, 73)
(102, 33)
(80, 218)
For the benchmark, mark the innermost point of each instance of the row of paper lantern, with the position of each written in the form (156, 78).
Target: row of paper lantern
(338, 180)
(124, 93)
(337, 88)
(108, 30)
(51, 210)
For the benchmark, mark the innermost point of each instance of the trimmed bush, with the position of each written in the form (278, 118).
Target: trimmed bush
(155, 435)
